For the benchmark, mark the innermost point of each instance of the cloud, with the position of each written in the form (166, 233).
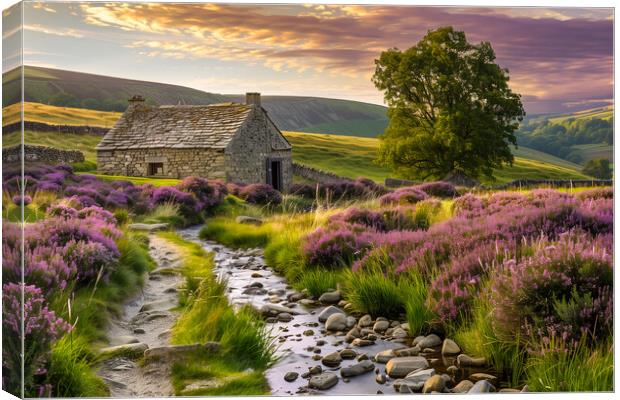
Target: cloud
(52, 31)
(552, 53)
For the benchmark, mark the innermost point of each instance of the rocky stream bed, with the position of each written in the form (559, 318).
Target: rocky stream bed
(322, 346)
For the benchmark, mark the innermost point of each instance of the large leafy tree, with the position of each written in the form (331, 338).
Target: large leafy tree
(450, 108)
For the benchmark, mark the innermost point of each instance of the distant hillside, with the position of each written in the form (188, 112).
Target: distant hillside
(104, 93)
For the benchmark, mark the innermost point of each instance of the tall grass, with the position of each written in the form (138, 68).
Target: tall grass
(233, 234)
(582, 369)
(318, 281)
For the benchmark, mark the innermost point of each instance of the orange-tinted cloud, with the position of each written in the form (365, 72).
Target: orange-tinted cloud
(554, 55)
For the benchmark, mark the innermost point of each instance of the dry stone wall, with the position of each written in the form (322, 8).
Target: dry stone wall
(177, 163)
(41, 154)
(39, 126)
(316, 175)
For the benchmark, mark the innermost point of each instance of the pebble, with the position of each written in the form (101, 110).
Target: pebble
(365, 321)
(336, 322)
(323, 381)
(380, 326)
(450, 348)
(348, 354)
(384, 356)
(434, 384)
(324, 315)
(401, 366)
(463, 360)
(308, 332)
(362, 342)
(463, 386)
(431, 340)
(380, 379)
(330, 297)
(479, 376)
(291, 376)
(482, 387)
(332, 359)
(357, 369)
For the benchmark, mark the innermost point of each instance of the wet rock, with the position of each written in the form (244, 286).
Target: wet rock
(131, 350)
(336, 322)
(291, 376)
(380, 326)
(321, 342)
(255, 291)
(405, 326)
(482, 387)
(256, 275)
(362, 342)
(362, 357)
(365, 321)
(431, 340)
(330, 297)
(401, 366)
(452, 369)
(323, 381)
(407, 352)
(308, 302)
(384, 356)
(417, 340)
(463, 386)
(525, 389)
(315, 370)
(463, 360)
(308, 332)
(348, 354)
(415, 380)
(255, 285)
(399, 333)
(380, 379)
(244, 219)
(272, 310)
(357, 369)
(450, 348)
(479, 376)
(351, 321)
(316, 357)
(434, 384)
(285, 317)
(352, 335)
(332, 360)
(139, 331)
(294, 297)
(329, 311)
(509, 390)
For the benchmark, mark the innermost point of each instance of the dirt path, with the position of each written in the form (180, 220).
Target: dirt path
(145, 323)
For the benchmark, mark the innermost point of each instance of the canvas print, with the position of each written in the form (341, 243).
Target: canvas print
(205, 199)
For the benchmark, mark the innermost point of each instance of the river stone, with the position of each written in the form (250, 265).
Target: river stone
(308, 332)
(139, 331)
(482, 387)
(348, 354)
(399, 333)
(525, 389)
(463, 360)
(401, 366)
(336, 322)
(480, 376)
(362, 342)
(275, 309)
(323, 381)
(357, 369)
(463, 386)
(332, 360)
(365, 321)
(380, 379)
(290, 376)
(329, 311)
(407, 352)
(315, 370)
(452, 369)
(244, 219)
(330, 297)
(352, 334)
(450, 348)
(417, 340)
(508, 390)
(384, 356)
(380, 326)
(415, 380)
(159, 305)
(285, 317)
(351, 321)
(434, 384)
(131, 350)
(431, 340)
(123, 339)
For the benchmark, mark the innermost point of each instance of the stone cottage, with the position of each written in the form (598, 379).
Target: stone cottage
(229, 141)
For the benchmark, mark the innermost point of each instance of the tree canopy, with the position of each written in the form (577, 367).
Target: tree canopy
(450, 108)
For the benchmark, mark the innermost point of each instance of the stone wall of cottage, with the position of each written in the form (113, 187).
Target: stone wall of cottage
(178, 163)
(248, 152)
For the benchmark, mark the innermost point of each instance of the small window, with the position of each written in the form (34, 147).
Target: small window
(156, 168)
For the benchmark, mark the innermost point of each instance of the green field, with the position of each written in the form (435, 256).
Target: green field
(82, 142)
(591, 151)
(51, 115)
(353, 157)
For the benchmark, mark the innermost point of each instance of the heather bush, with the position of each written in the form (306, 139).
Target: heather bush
(91, 259)
(564, 290)
(188, 206)
(438, 189)
(41, 328)
(336, 247)
(407, 195)
(259, 193)
(207, 193)
(372, 187)
(98, 213)
(303, 190)
(595, 194)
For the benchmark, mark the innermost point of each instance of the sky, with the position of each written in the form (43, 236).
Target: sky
(559, 59)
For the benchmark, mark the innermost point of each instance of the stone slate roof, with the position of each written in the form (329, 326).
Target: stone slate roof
(207, 126)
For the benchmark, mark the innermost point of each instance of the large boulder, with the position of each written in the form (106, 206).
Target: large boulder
(323, 381)
(329, 311)
(401, 366)
(336, 322)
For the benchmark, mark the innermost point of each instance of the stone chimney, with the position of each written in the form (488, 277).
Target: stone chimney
(252, 99)
(136, 101)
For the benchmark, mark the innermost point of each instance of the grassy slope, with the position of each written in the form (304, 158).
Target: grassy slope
(52, 115)
(353, 157)
(591, 151)
(84, 143)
